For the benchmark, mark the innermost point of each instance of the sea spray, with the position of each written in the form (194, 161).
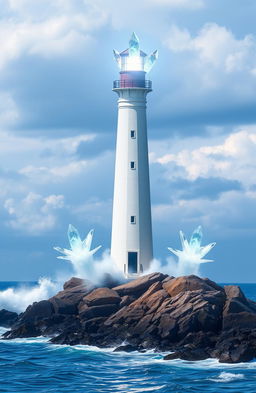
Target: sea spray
(192, 254)
(81, 257)
(18, 299)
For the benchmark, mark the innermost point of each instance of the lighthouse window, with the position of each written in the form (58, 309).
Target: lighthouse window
(133, 134)
(133, 219)
(133, 165)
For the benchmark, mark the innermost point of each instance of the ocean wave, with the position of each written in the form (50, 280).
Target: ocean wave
(29, 340)
(227, 377)
(206, 364)
(18, 299)
(139, 358)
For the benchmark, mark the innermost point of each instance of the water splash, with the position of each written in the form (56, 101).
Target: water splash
(81, 257)
(192, 254)
(18, 299)
(227, 377)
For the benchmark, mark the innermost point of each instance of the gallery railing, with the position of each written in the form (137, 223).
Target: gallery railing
(120, 84)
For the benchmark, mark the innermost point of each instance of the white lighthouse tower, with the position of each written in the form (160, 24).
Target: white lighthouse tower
(131, 244)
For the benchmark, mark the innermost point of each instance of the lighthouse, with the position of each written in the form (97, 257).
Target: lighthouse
(131, 242)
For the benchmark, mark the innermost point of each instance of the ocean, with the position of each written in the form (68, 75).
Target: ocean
(33, 365)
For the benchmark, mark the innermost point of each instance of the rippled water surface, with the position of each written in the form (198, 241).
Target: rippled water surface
(33, 365)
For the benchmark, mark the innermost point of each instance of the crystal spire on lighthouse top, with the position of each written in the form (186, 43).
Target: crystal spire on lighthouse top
(133, 58)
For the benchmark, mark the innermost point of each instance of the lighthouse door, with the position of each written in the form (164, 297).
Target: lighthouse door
(132, 262)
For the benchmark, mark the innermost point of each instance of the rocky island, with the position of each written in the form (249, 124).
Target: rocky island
(188, 317)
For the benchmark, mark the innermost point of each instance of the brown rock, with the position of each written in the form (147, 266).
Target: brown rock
(92, 325)
(140, 285)
(213, 284)
(66, 301)
(137, 316)
(241, 320)
(168, 327)
(143, 324)
(167, 279)
(188, 283)
(126, 300)
(101, 296)
(197, 311)
(25, 330)
(74, 282)
(235, 292)
(157, 318)
(37, 311)
(236, 345)
(238, 312)
(63, 306)
(151, 290)
(199, 340)
(97, 311)
(243, 353)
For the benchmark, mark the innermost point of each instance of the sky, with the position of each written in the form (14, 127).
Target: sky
(58, 127)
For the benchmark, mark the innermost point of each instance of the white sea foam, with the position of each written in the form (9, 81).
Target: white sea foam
(29, 340)
(18, 299)
(94, 269)
(227, 377)
(98, 268)
(174, 268)
(170, 267)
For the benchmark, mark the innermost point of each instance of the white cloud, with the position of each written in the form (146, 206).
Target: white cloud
(233, 159)
(216, 59)
(29, 149)
(33, 185)
(232, 214)
(34, 214)
(53, 202)
(216, 46)
(189, 4)
(61, 172)
(61, 30)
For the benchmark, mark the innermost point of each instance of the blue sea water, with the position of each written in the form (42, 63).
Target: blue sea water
(34, 365)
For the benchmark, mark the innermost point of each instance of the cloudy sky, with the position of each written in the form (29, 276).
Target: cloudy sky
(58, 126)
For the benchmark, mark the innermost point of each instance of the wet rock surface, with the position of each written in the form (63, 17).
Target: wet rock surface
(191, 317)
(7, 318)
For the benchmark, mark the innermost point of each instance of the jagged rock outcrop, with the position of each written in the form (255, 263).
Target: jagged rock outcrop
(7, 318)
(53, 316)
(193, 317)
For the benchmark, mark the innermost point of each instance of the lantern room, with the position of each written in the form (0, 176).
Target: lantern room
(134, 64)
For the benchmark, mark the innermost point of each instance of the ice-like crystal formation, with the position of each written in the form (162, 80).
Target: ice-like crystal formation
(192, 254)
(134, 45)
(133, 59)
(150, 61)
(80, 254)
(117, 57)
